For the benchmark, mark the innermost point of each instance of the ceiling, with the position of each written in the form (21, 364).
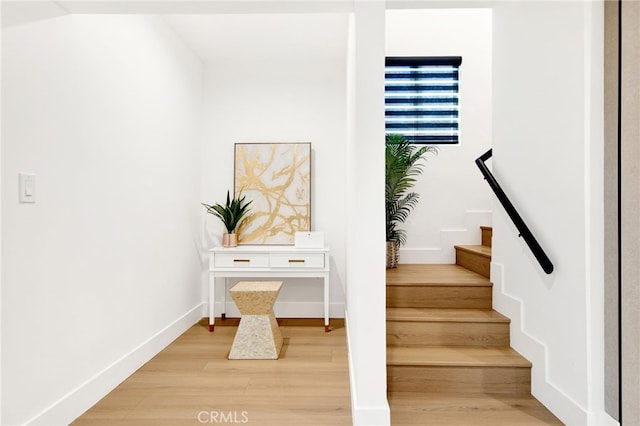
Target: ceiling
(219, 30)
(261, 36)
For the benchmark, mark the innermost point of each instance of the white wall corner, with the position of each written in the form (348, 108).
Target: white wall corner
(79, 400)
(558, 402)
(363, 416)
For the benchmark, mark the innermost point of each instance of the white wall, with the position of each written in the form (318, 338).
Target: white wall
(548, 156)
(254, 94)
(454, 199)
(104, 269)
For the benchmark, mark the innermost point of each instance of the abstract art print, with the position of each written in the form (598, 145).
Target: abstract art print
(277, 177)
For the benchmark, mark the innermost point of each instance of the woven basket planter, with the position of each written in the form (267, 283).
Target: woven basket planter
(393, 253)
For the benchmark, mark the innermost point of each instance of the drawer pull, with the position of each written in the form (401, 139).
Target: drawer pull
(296, 260)
(242, 260)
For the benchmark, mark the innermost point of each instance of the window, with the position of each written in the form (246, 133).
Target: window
(421, 98)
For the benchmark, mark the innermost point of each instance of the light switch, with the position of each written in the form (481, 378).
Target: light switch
(27, 188)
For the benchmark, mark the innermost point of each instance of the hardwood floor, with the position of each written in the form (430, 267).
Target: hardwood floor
(192, 382)
(473, 409)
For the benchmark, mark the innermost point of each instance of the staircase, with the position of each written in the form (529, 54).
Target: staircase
(449, 359)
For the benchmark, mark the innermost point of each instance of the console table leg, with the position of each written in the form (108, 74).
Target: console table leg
(326, 329)
(223, 316)
(211, 328)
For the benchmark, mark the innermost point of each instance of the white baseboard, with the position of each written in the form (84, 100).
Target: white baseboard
(602, 419)
(79, 400)
(283, 309)
(427, 255)
(363, 416)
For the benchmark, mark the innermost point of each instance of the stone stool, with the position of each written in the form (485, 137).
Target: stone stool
(258, 335)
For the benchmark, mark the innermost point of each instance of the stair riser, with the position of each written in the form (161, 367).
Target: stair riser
(438, 297)
(476, 263)
(501, 380)
(487, 234)
(400, 333)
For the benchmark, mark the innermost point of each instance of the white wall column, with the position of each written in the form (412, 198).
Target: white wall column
(366, 297)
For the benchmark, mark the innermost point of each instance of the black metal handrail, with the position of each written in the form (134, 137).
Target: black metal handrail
(522, 227)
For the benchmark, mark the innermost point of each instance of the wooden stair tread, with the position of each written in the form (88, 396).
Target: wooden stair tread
(478, 409)
(435, 275)
(480, 250)
(445, 315)
(456, 356)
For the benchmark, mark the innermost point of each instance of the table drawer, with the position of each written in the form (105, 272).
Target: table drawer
(293, 260)
(241, 260)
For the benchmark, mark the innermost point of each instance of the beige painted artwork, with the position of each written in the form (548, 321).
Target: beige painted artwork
(277, 178)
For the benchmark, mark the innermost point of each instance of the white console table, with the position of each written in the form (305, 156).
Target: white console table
(267, 262)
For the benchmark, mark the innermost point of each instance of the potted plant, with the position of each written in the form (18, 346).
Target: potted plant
(231, 214)
(402, 166)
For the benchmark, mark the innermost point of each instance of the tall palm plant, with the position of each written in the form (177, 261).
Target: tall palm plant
(402, 166)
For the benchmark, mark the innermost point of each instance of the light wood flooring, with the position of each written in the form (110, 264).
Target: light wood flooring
(308, 385)
(471, 409)
(191, 382)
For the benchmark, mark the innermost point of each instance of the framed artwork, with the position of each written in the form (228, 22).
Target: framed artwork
(277, 178)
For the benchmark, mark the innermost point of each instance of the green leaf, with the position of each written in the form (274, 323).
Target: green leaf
(402, 167)
(232, 213)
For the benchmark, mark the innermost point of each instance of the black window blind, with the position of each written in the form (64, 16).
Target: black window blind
(421, 98)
